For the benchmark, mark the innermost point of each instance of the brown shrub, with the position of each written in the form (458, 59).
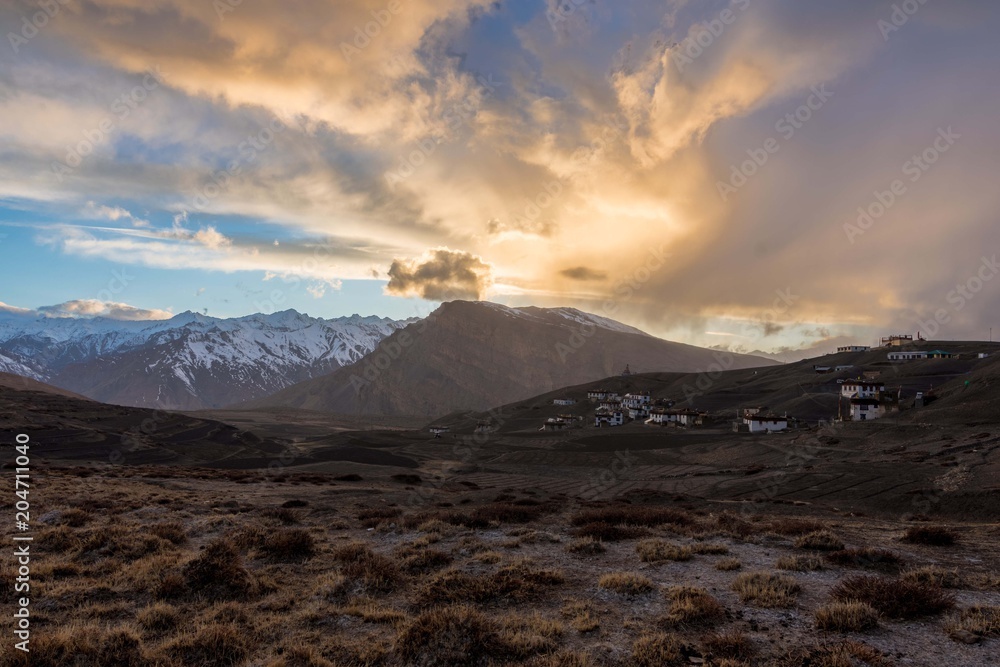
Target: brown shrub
(795, 527)
(979, 622)
(451, 637)
(74, 517)
(586, 546)
(766, 590)
(691, 606)
(218, 573)
(849, 616)
(895, 598)
(300, 656)
(626, 583)
(868, 558)
(656, 551)
(935, 536)
(728, 564)
(731, 645)
(799, 563)
(822, 540)
(374, 572)
(372, 517)
(632, 515)
(212, 645)
(659, 650)
(709, 548)
(172, 532)
(159, 618)
(515, 583)
(844, 654)
(610, 533)
(83, 644)
(935, 576)
(288, 546)
(419, 561)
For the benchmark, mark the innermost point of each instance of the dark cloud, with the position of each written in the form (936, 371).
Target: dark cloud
(583, 273)
(440, 275)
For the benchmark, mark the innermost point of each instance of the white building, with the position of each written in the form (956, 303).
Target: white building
(597, 394)
(761, 423)
(862, 389)
(638, 413)
(907, 356)
(854, 348)
(564, 401)
(844, 367)
(866, 409)
(634, 401)
(609, 418)
(984, 355)
(690, 418)
(610, 404)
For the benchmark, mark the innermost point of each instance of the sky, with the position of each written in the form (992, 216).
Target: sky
(751, 174)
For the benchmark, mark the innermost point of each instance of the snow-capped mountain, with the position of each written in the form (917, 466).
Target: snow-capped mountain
(190, 361)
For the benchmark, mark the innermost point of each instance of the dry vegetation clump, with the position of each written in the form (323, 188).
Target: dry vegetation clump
(728, 564)
(765, 589)
(633, 515)
(420, 560)
(514, 583)
(211, 645)
(563, 658)
(821, 540)
(709, 548)
(171, 531)
(974, 624)
(372, 517)
(288, 546)
(844, 654)
(609, 532)
(84, 644)
(894, 598)
(799, 563)
(660, 650)
(586, 546)
(691, 606)
(582, 615)
(935, 536)
(460, 636)
(159, 618)
(118, 542)
(936, 576)
(849, 616)
(300, 656)
(626, 583)
(73, 517)
(217, 573)
(371, 571)
(868, 558)
(795, 527)
(283, 515)
(732, 645)
(657, 551)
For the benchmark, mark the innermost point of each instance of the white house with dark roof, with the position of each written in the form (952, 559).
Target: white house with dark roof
(854, 348)
(866, 409)
(862, 388)
(765, 423)
(909, 355)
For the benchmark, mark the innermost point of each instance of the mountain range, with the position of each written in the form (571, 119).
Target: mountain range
(477, 355)
(187, 362)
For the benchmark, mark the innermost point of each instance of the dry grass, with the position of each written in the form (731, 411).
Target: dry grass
(935, 536)
(633, 515)
(626, 583)
(515, 583)
(709, 548)
(733, 646)
(868, 558)
(370, 571)
(935, 576)
(217, 574)
(607, 532)
(977, 622)
(658, 650)
(582, 616)
(894, 598)
(728, 564)
(849, 616)
(765, 589)
(822, 540)
(658, 551)
(586, 546)
(799, 563)
(844, 654)
(690, 607)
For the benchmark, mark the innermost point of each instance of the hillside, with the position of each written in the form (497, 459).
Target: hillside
(474, 355)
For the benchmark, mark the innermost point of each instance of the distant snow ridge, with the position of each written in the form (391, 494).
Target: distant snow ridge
(259, 353)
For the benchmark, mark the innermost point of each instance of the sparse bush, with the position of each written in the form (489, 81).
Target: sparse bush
(691, 606)
(935, 536)
(172, 532)
(631, 515)
(849, 616)
(977, 622)
(709, 548)
(288, 546)
(656, 551)
(374, 572)
(515, 583)
(732, 645)
(659, 650)
(935, 576)
(610, 533)
(795, 527)
(212, 645)
(582, 615)
(894, 598)
(822, 540)
(728, 564)
(626, 583)
(84, 645)
(159, 618)
(301, 656)
(454, 637)
(765, 589)
(417, 560)
(844, 654)
(586, 546)
(799, 563)
(372, 517)
(217, 574)
(868, 558)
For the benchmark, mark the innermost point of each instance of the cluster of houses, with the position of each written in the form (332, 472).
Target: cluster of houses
(615, 409)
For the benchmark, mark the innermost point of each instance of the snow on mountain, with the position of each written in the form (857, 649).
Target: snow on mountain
(190, 361)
